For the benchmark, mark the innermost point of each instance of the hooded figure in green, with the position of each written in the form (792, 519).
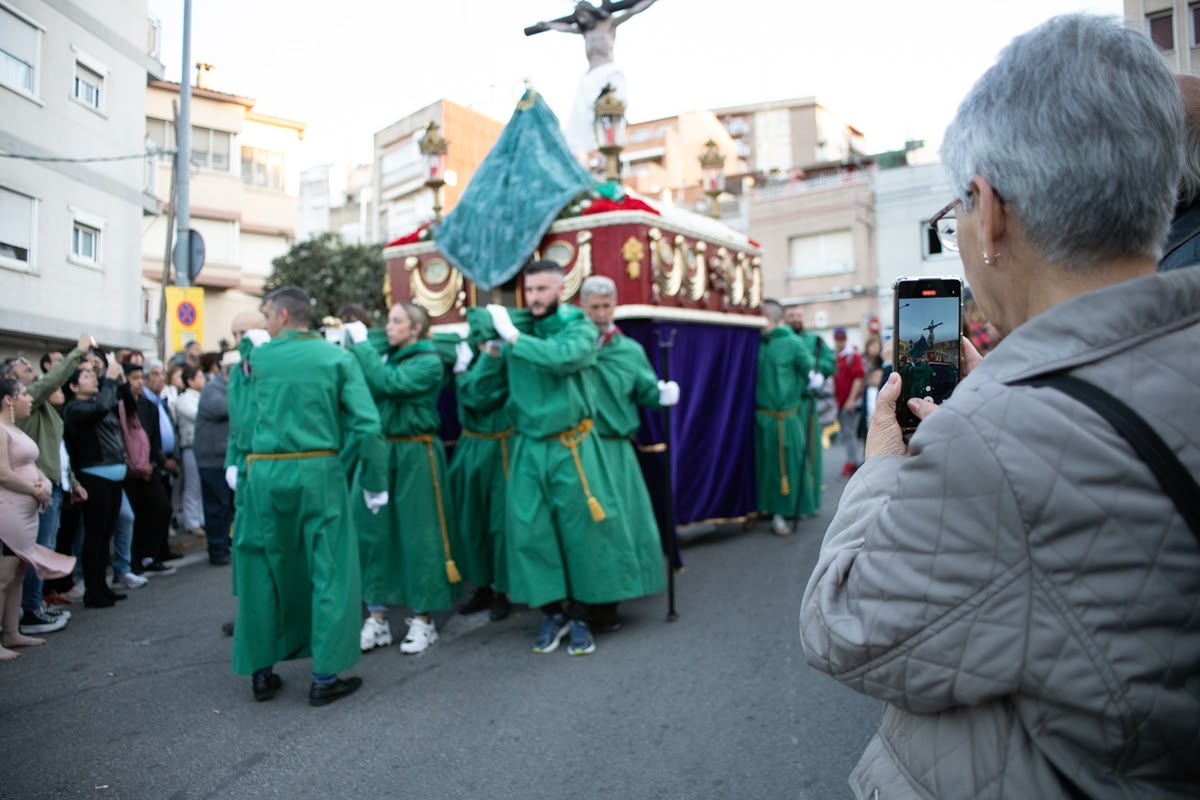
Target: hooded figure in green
(405, 549)
(295, 558)
(824, 365)
(779, 438)
(625, 381)
(479, 474)
(566, 541)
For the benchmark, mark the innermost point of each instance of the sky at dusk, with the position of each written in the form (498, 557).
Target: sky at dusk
(895, 70)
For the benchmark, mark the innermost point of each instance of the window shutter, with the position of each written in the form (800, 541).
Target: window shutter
(16, 219)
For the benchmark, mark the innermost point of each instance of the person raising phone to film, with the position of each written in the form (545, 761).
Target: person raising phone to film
(1014, 582)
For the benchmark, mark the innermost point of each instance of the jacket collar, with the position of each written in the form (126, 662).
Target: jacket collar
(1095, 325)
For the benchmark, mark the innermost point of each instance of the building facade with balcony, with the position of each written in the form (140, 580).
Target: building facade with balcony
(404, 202)
(1173, 26)
(72, 95)
(243, 197)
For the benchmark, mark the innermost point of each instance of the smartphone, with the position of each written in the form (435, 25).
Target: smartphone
(926, 333)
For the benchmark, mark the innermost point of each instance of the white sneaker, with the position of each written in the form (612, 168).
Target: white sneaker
(128, 581)
(75, 593)
(375, 633)
(779, 526)
(420, 635)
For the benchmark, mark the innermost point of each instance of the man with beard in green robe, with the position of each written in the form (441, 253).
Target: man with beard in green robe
(565, 547)
(624, 382)
(479, 476)
(824, 365)
(784, 363)
(295, 557)
(405, 551)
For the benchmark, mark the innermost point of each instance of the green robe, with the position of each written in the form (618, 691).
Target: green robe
(779, 438)
(403, 547)
(479, 472)
(295, 558)
(825, 361)
(241, 428)
(556, 547)
(624, 382)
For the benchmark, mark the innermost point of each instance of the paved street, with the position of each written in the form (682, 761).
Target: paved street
(139, 701)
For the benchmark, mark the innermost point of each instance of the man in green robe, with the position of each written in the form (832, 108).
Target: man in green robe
(784, 363)
(624, 382)
(566, 544)
(479, 476)
(295, 557)
(824, 365)
(405, 551)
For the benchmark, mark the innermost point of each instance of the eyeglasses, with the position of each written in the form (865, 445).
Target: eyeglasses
(945, 224)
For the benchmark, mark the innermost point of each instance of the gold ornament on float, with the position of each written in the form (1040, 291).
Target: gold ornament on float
(438, 302)
(737, 287)
(756, 282)
(583, 264)
(633, 252)
(697, 278)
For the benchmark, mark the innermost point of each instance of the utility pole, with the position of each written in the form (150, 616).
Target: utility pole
(166, 273)
(183, 147)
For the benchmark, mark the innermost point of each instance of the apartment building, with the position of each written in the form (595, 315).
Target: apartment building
(73, 178)
(404, 202)
(244, 186)
(1174, 26)
(337, 199)
(661, 160)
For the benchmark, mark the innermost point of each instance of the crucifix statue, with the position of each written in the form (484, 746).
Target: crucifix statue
(930, 328)
(598, 27)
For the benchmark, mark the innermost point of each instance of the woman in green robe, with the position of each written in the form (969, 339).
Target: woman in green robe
(405, 548)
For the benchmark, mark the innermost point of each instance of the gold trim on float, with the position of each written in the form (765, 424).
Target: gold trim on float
(583, 266)
(756, 282)
(737, 286)
(633, 253)
(438, 302)
(697, 279)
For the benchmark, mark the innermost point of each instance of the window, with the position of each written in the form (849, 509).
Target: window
(1194, 17)
(88, 83)
(1161, 28)
(19, 42)
(210, 149)
(262, 168)
(161, 134)
(87, 234)
(16, 230)
(820, 254)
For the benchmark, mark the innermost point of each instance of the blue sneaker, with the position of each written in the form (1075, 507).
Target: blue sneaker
(581, 642)
(554, 628)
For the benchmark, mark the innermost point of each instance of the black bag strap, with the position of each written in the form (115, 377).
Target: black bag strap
(1176, 481)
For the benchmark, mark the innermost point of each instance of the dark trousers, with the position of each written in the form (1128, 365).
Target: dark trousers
(218, 510)
(99, 521)
(151, 519)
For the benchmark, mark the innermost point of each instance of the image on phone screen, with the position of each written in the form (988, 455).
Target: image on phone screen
(927, 327)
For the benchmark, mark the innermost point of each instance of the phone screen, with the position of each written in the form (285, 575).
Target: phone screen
(925, 341)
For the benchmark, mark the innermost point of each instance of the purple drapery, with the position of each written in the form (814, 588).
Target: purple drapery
(712, 428)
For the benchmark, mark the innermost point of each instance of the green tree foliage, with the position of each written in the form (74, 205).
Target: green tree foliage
(333, 273)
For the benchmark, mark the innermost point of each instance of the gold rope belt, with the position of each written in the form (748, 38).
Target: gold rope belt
(571, 439)
(502, 437)
(452, 573)
(785, 487)
(250, 459)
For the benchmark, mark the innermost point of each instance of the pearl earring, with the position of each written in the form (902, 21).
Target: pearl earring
(986, 260)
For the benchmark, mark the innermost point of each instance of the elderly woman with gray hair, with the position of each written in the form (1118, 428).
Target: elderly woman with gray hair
(1015, 583)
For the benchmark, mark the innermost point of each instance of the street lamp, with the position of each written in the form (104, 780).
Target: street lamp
(610, 129)
(712, 168)
(433, 148)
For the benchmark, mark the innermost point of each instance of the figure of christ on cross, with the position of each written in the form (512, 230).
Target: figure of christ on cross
(930, 328)
(598, 26)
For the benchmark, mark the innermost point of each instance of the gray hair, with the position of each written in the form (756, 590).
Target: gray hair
(1189, 184)
(1078, 126)
(598, 285)
(772, 310)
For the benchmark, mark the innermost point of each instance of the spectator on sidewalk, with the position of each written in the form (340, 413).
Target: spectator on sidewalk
(847, 389)
(187, 405)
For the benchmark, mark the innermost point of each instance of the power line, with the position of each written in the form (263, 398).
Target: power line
(90, 159)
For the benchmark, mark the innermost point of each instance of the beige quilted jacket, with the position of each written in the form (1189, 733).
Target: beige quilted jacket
(1018, 590)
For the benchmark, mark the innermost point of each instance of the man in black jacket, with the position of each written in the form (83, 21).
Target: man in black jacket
(149, 497)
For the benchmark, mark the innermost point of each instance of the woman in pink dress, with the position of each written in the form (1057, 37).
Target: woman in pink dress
(23, 490)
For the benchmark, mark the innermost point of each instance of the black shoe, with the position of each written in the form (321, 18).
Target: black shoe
(157, 568)
(227, 629)
(500, 607)
(171, 556)
(324, 694)
(115, 596)
(219, 561)
(265, 686)
(480, 601)
(98, 601)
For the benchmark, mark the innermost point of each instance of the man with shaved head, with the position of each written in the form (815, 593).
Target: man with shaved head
(1183, 242)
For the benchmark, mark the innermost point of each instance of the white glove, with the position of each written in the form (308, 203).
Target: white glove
(356, 331)
(257, 336)
(503, 323)
(375, 500)
(668, 393)
(231, 478)
(815, 380)
(463, 350)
